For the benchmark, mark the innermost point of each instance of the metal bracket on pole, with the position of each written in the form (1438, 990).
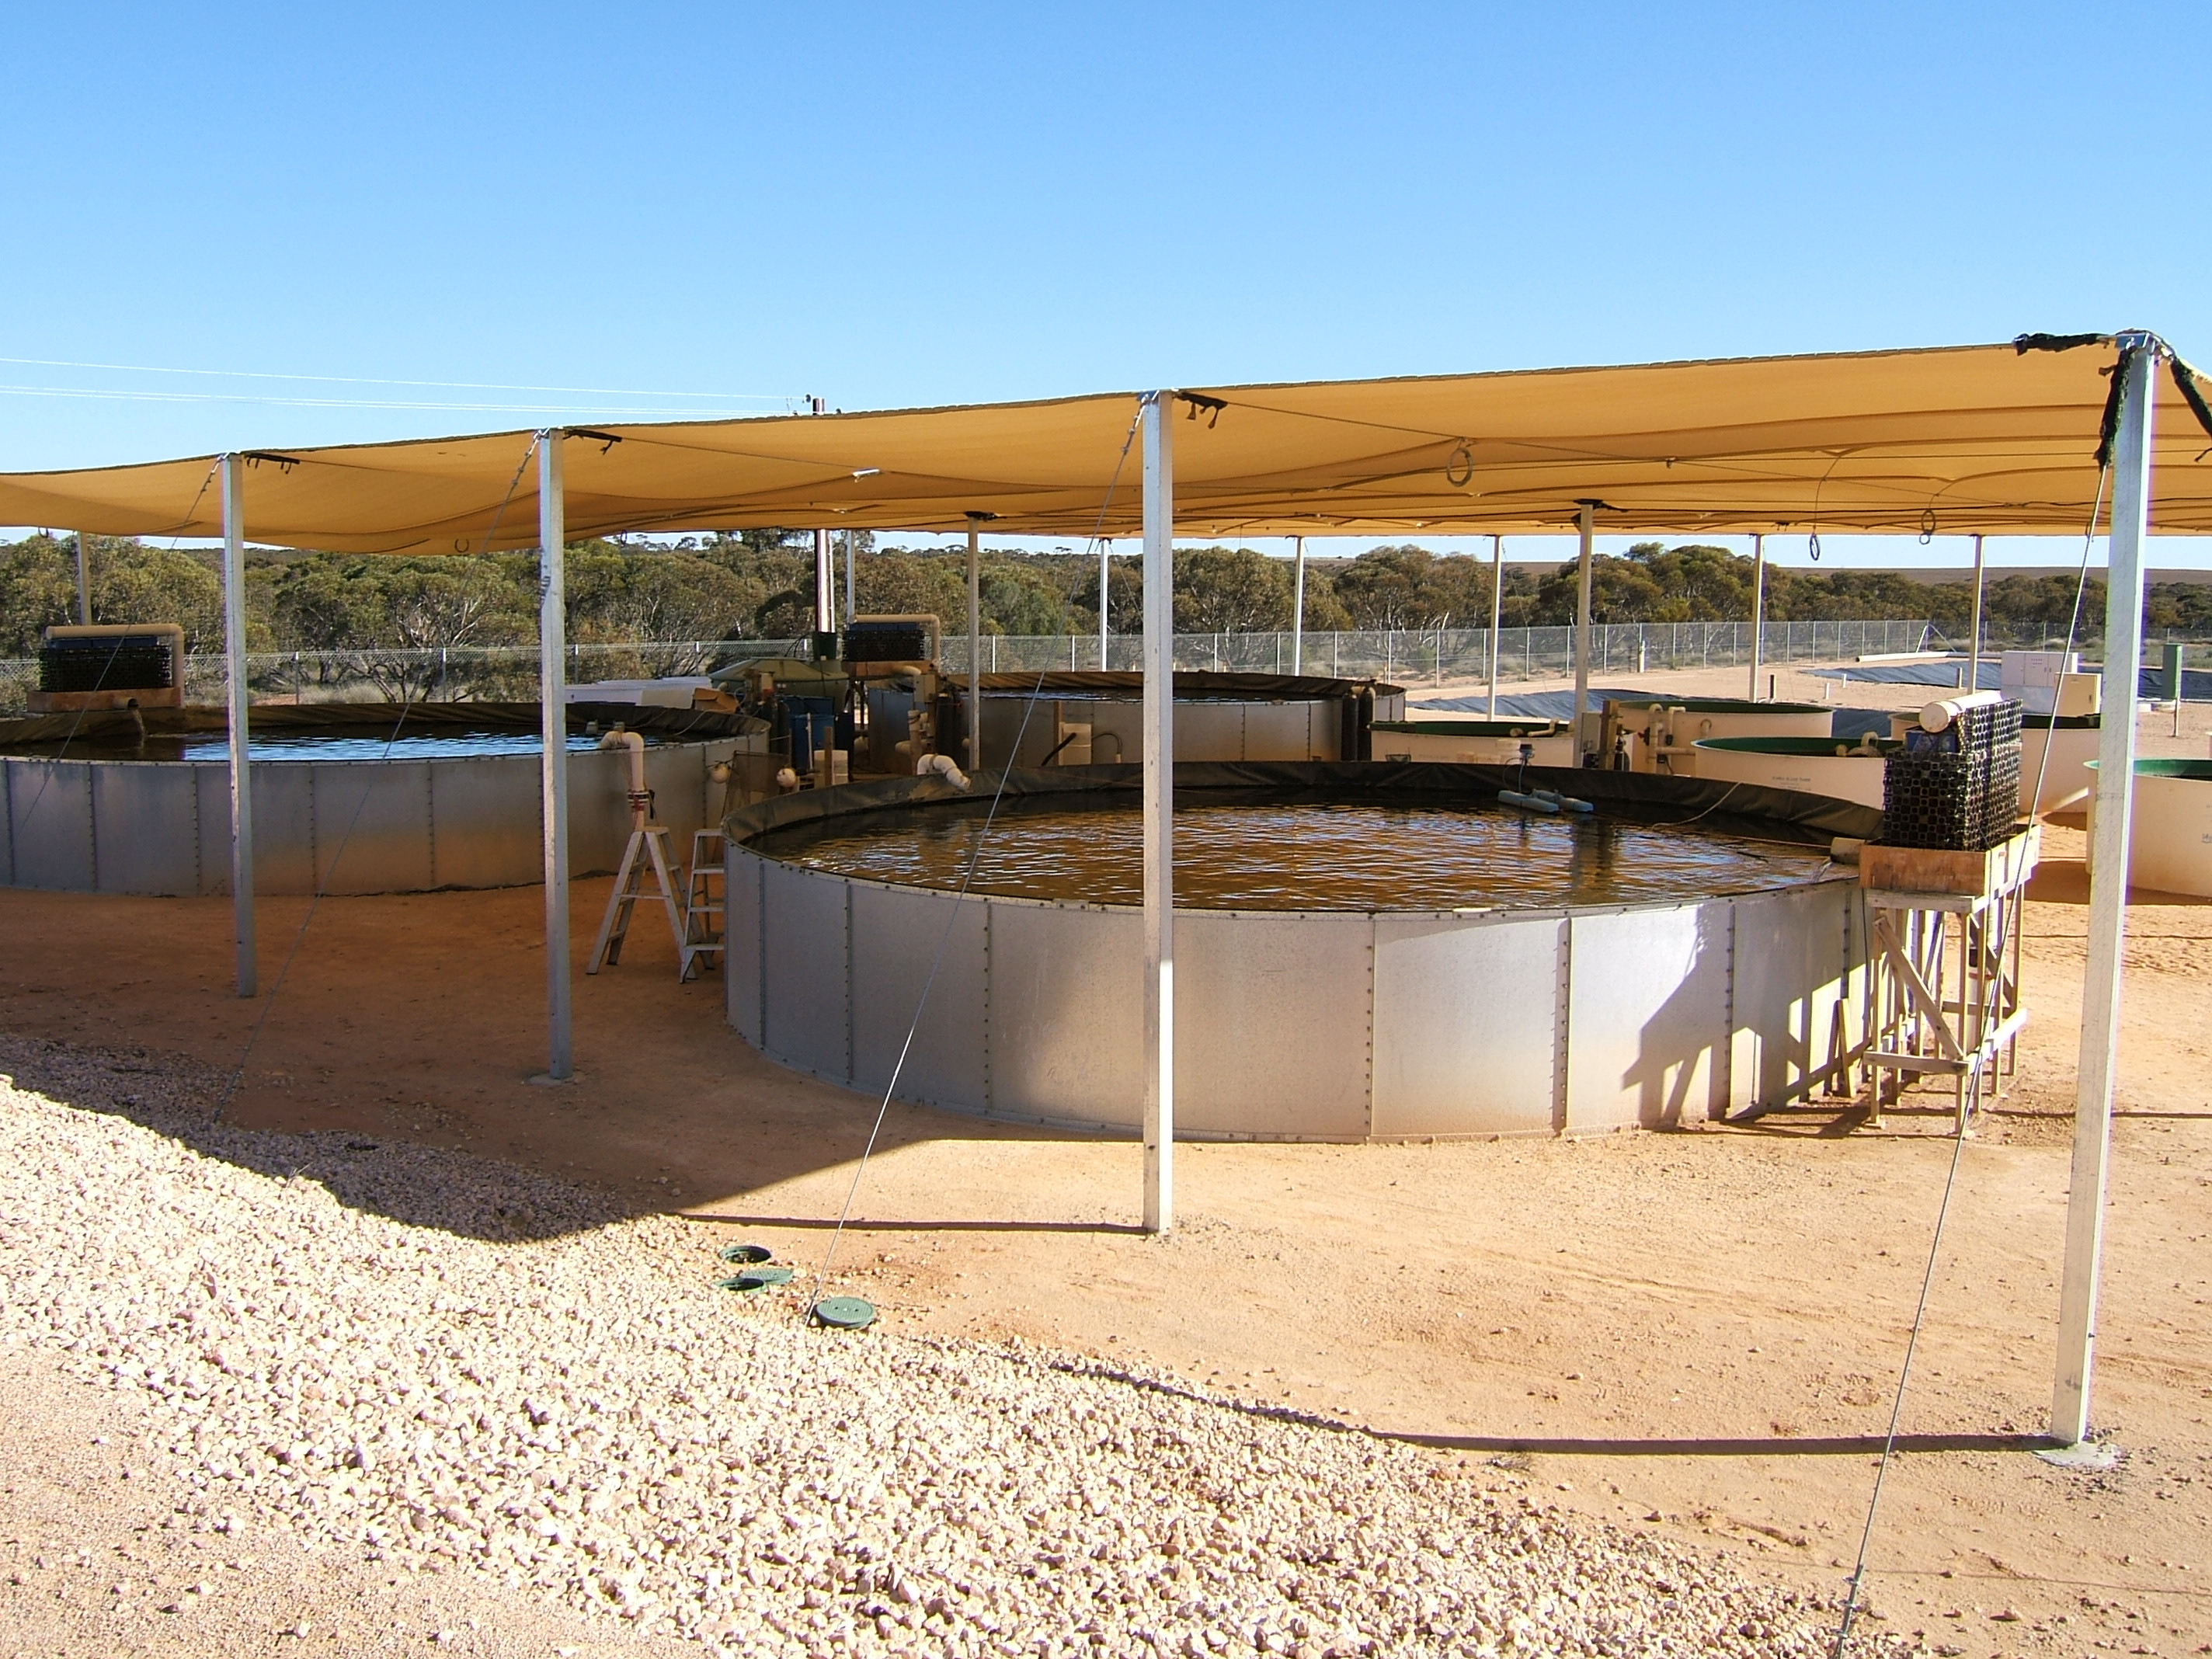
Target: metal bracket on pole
(241, 769)
(2108, 893)
(553, 730)
(1159, 815)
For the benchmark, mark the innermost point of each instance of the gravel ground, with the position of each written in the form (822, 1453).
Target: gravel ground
(433, 1363)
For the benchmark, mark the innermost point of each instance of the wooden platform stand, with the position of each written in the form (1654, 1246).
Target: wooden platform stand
(1944, 999)
(647, 849)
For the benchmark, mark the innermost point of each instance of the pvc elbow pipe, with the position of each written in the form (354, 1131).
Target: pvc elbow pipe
(943, 766)
(635, 744)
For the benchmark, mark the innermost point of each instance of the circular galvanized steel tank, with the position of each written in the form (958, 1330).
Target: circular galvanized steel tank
(1326, 1025)
(90, 819)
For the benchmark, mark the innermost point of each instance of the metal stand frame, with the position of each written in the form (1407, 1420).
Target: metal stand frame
(1944, 998)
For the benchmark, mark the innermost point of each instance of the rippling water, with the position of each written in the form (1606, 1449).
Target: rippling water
(325, 745)
(1304, 857)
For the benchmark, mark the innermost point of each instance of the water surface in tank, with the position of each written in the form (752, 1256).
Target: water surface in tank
(336, 744)
(1306, 856)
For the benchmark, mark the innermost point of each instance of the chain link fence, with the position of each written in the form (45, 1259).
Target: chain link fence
(1408, 656)
(1412, 656)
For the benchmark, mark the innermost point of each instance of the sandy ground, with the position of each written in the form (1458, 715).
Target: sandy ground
(1698, 1334)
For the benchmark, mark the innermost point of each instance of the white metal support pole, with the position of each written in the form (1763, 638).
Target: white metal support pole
(975, 641)
(825, 584)
(1299, 609)
(242, 769)
(553, 728)
(84, 578)
(1758, 606)
(1160, 814)
(1496, 611)
(2108, 893)
(1585, 521)
(1105, 576)
(1974, 680)
(849, 605)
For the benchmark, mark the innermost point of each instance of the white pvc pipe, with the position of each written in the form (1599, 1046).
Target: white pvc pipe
(553, 730)
(242, 769)
(1160, 814)
(943, 766)
(1938, 716)
(1299, 609)
(2098, 1060)
(634, 742)
(84, 578)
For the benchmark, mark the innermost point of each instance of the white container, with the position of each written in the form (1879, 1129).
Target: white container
(1483, 742)
(1664, 734)
(2068, 778)
(2170, 845)
(1811, 766)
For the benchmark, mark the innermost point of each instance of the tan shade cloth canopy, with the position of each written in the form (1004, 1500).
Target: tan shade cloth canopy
(1948, 441)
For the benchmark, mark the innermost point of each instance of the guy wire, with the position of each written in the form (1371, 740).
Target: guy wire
(1905, 1371)
(974, 857)
(2073, 623)
(1959, 1143)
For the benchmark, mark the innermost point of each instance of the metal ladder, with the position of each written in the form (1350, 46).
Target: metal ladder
(647, 852)
(705, 901)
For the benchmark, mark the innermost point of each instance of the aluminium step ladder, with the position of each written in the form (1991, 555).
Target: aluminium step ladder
(705, 901)
(647, 853)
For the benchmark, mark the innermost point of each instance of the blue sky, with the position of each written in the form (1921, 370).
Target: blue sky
(892, 206)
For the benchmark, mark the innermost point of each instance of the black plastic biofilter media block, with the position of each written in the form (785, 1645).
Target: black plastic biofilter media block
(112, 662)
(886, 642)
(1958, 789)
